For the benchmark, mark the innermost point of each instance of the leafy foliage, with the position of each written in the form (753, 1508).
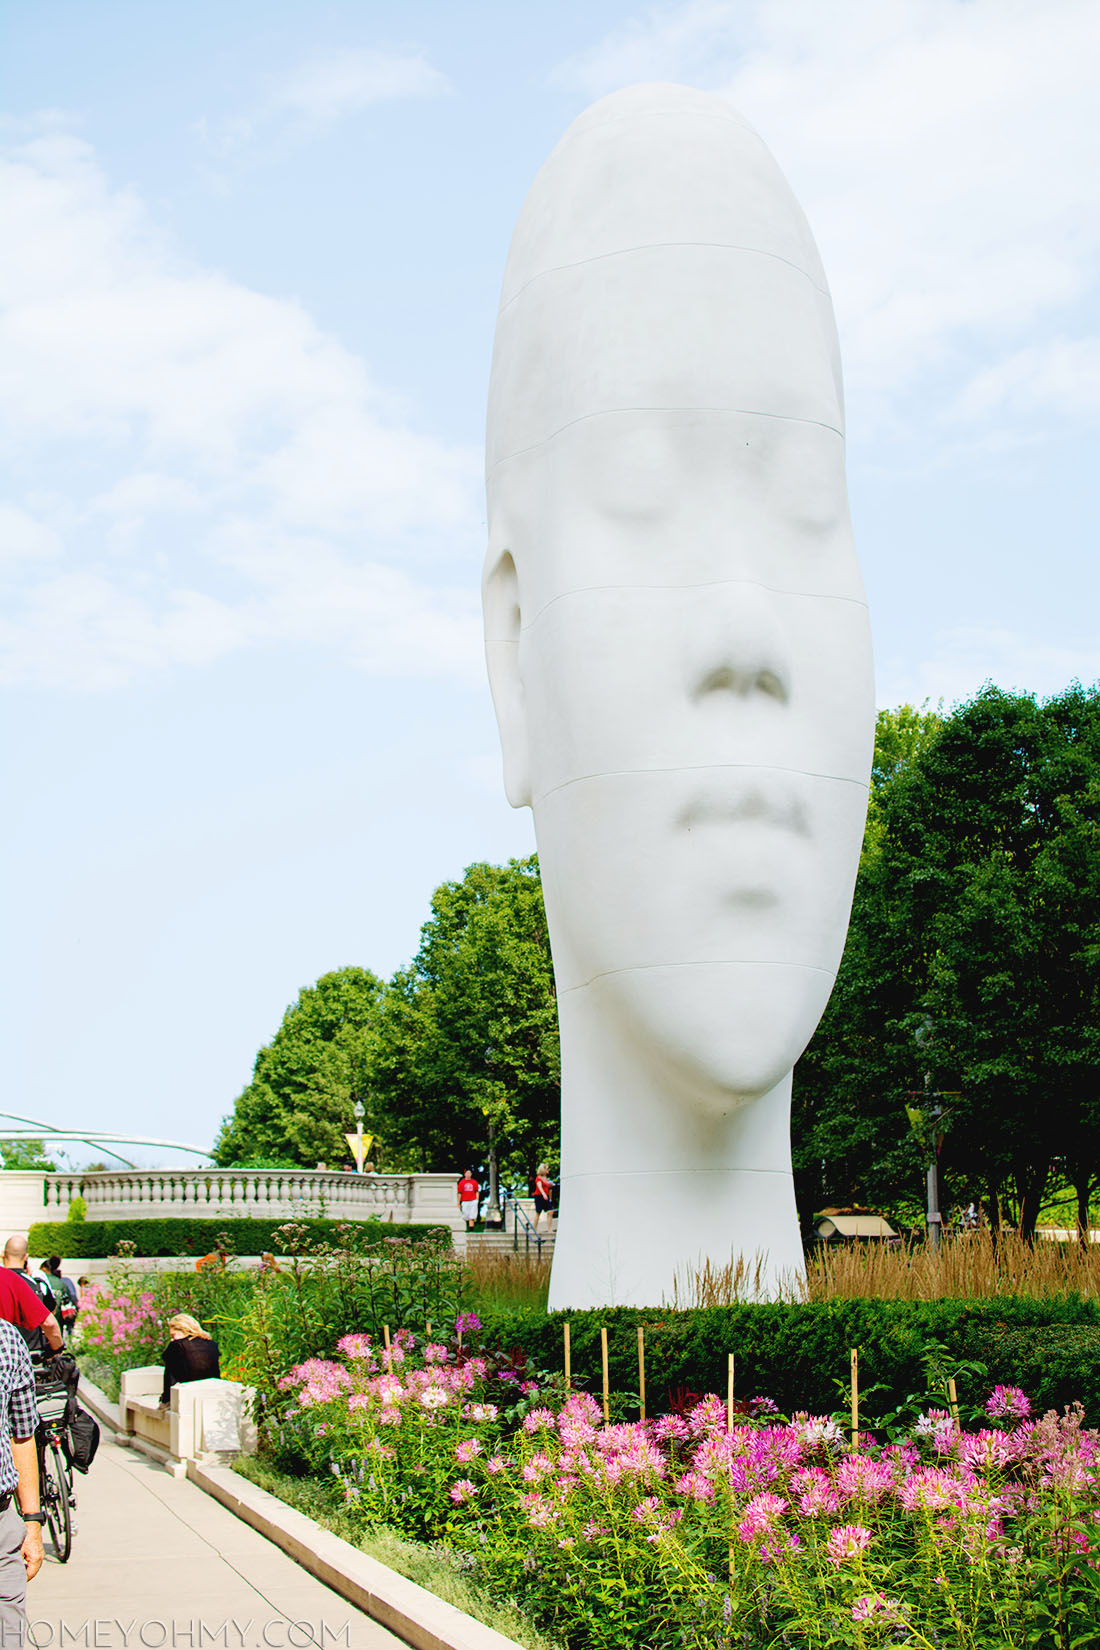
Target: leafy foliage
(98, 1239)
(976, 916)
(467, 1044)
(299, 1105)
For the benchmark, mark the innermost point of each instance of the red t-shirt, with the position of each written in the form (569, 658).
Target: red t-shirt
(20, 1304)
(468, 1190)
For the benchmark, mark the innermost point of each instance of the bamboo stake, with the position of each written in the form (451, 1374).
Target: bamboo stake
(568, 1359)
(953, 1399)
(428, 1328)
(606, 1387)
(641, 1372)
(386, 1339)
(729, 1396)
(855, 1397)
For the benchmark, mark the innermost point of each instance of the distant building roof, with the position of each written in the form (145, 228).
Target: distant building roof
(854, 1226)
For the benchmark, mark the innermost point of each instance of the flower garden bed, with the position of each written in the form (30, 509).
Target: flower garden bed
(715, 1526)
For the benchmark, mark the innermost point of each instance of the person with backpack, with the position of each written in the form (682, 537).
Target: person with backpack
(23, 1305)
(65, 1290)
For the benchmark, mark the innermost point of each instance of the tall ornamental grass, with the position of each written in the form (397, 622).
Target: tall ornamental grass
(966, 1266)
(707, 1529)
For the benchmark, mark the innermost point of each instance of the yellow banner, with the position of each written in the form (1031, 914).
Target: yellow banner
(353, 1148)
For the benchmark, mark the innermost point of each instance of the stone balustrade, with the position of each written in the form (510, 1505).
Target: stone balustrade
(271, 1194)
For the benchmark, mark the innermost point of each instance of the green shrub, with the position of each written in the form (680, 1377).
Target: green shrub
(78, 1210)
(794, 1354)
(97, 1239)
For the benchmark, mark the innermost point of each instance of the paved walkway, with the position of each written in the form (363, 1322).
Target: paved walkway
(158, 1565)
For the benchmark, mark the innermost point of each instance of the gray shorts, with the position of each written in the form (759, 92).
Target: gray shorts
(13, 1580)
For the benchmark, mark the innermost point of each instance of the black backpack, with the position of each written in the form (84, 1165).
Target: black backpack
(82, 1438)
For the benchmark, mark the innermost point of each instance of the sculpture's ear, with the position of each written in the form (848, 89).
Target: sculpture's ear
(503, 621)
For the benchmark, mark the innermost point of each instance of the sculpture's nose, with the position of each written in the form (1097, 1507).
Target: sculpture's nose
(738, 647)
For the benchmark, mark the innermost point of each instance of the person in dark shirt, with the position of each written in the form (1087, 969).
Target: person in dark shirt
(191, 1354)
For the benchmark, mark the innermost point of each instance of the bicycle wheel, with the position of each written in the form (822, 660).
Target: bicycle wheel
(55, 1500)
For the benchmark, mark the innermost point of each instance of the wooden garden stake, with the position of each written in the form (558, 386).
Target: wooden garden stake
(428, 1327)
(606, 1388)
(855, 1397)
(386, 1339)
(568, 1359)
(729, 1396)
(641, 1372)
(953, 1399)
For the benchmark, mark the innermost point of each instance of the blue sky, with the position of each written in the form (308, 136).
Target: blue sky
(252, 261)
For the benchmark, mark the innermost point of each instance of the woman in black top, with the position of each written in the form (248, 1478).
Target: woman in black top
(191, 1354)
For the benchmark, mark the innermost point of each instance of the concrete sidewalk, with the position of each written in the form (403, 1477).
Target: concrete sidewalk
(159, 1565)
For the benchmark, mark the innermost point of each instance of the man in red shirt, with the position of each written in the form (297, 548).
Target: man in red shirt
(469, 1196)
(21, 1304)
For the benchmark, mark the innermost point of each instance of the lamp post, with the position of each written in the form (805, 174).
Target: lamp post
(933, 1114)
(359, 1114)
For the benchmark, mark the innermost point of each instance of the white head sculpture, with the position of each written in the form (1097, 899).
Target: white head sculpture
(680, 662)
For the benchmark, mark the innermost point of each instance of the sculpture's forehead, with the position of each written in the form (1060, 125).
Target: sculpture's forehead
(656, 166)
(660, 260)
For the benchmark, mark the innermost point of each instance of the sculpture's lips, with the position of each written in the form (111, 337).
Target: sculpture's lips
(747, 835)
(776, 801)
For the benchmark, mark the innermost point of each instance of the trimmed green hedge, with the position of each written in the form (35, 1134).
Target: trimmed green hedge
(795, 1354)
(95, 1239)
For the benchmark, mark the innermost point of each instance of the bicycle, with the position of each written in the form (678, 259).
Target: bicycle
(54, 1473)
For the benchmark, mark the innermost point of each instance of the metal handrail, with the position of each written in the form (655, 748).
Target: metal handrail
(518, 1214)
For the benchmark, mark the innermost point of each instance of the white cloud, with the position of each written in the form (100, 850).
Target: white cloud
(342, 82)
(23, 538)
(963, 659)
(327, 87)
(1063, 374)
(944, 151)
(232, 478)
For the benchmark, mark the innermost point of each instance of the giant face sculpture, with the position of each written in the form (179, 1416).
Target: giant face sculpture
(676, 632)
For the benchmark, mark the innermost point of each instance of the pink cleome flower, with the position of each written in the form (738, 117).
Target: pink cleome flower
(760, 1515)
(495, 1464)
(462, 1490)
(538, 1420)
(1010, 1401)
(467, 1449)
(815, 1492)
(871, 1603)
(933, 1490)
(859, 1478)
(847, 1541)
(354, 1346)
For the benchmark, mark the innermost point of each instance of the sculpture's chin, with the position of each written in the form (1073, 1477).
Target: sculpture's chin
(724, 1033)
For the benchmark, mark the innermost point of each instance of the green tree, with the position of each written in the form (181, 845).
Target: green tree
(977, 907)
(299, 1104)
(26, 1154)
(467, 1060)
(850, 1138)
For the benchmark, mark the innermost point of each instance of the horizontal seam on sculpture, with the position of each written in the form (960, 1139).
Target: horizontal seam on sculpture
(660, 246)
(610, 412)
(710, 767)
(703, 584)
(614, 1174)
(727, 962)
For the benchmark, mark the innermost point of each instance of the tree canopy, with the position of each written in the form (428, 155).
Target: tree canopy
(977, 916)
(299, 1104)
(468, 1038)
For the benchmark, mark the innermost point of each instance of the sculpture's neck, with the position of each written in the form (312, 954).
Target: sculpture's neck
(653, 1181)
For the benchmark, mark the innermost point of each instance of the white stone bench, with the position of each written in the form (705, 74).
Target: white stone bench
(206, 1421)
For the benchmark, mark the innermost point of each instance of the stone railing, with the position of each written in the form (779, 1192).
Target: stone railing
(280, 1194)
